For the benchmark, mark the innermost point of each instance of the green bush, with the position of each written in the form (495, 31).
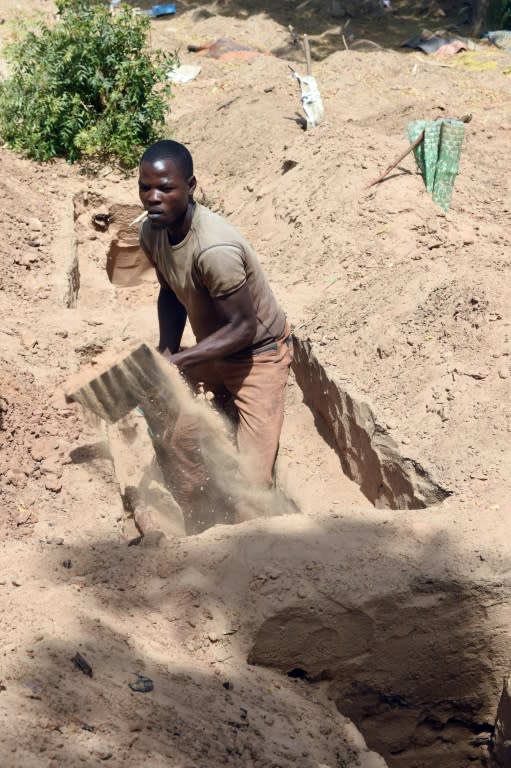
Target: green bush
(499, 14)
(86, 87)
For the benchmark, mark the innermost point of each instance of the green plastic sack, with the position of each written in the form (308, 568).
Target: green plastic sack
(438, 155)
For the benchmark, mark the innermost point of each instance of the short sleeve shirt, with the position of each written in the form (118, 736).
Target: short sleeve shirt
(212, 261)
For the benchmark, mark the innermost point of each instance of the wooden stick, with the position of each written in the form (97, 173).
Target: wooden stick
(307, 51)
(396, 162)
(420, 137)
(138, 219)
(227, 103)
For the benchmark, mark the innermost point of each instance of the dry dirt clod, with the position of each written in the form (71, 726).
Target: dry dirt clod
(53, 483)
(43, 447)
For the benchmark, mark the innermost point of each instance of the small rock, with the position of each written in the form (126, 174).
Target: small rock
(52, 483)
(35, 225)
(212, 637)
(82, 664)
(504, 373)
(383, 351)
(143, 684)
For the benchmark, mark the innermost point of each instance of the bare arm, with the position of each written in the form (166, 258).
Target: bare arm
(240, 323)
(171, 318)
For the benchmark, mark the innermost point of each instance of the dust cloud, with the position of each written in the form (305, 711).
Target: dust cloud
(194, 446)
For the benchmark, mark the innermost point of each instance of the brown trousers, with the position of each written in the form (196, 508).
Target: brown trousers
(256, 387)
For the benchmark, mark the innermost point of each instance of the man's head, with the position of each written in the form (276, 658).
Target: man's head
(170, 150)
(166, 183)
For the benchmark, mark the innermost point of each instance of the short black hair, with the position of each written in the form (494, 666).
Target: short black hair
(170, 150)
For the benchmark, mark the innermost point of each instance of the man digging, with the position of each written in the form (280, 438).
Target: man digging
(209, 274)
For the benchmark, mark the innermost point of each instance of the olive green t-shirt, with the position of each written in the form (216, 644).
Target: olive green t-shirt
(212, 261)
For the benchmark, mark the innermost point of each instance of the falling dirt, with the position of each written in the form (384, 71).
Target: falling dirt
(139, 380)
(382, 595)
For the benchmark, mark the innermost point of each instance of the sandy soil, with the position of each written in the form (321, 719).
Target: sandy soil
(406, 307)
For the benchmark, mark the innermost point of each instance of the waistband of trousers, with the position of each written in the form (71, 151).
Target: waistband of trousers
(269, 345)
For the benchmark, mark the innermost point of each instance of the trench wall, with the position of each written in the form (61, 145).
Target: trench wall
(368, 454)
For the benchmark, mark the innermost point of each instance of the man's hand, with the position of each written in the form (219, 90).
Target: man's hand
(173, 359)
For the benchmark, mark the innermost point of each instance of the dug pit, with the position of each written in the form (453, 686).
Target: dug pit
(375, 658)
(367, 453)
(408, 667)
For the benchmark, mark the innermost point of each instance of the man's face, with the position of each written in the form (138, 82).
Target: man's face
(164, 192)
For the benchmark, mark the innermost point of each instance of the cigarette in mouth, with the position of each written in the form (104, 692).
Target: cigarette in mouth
(138, 219)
